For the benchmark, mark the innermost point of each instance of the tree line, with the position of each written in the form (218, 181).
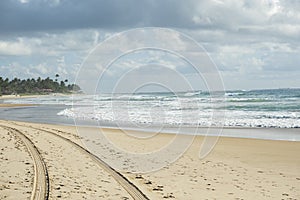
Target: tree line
(17, 86)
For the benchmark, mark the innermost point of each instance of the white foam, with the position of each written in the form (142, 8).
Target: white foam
(156, 115)
(172, 110)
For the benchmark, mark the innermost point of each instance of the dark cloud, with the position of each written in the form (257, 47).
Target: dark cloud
(245, 38)
(258, 17)
(38, 15)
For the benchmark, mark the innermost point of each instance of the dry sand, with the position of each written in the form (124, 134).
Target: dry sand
(16, 168)
(72, 174)
(235, 169)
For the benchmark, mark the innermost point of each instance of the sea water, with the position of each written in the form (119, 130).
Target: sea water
(276, 108)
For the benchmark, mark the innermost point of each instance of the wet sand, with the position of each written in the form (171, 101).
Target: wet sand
(15, 105)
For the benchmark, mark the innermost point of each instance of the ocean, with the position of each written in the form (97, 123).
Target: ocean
(272, 108)
(266, 112)
(278, 108)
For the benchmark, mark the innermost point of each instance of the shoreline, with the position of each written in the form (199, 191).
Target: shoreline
(227, 129)
(282, 134)
(235, 169)
(22, 96)
(5, 97)
(274, 134)
(6, 105)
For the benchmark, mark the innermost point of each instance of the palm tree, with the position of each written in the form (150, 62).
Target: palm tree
(56, 76)
(1, 85)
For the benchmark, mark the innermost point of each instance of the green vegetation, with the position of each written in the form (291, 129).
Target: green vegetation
(36, 86)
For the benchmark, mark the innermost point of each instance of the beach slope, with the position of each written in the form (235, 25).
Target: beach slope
(235, 169)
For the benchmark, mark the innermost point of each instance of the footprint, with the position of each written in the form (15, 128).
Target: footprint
(58, 188)
(138, 177)
(148, 183)
(168, 196)
(157, 189)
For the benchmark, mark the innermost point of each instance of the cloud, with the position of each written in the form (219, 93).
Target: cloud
(250, 41)
(246, 17)
(76, 14)
(15, 48)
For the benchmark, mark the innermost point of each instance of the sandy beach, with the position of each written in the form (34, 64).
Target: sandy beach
(235, 169)
(149, 100)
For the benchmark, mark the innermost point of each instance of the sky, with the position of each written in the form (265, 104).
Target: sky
(254, 44)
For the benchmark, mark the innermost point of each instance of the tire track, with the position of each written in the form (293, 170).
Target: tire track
(40, 189)
(132, 189)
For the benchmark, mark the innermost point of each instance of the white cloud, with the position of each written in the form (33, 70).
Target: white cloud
(40, 68)
(24, 1)
(16, 48)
